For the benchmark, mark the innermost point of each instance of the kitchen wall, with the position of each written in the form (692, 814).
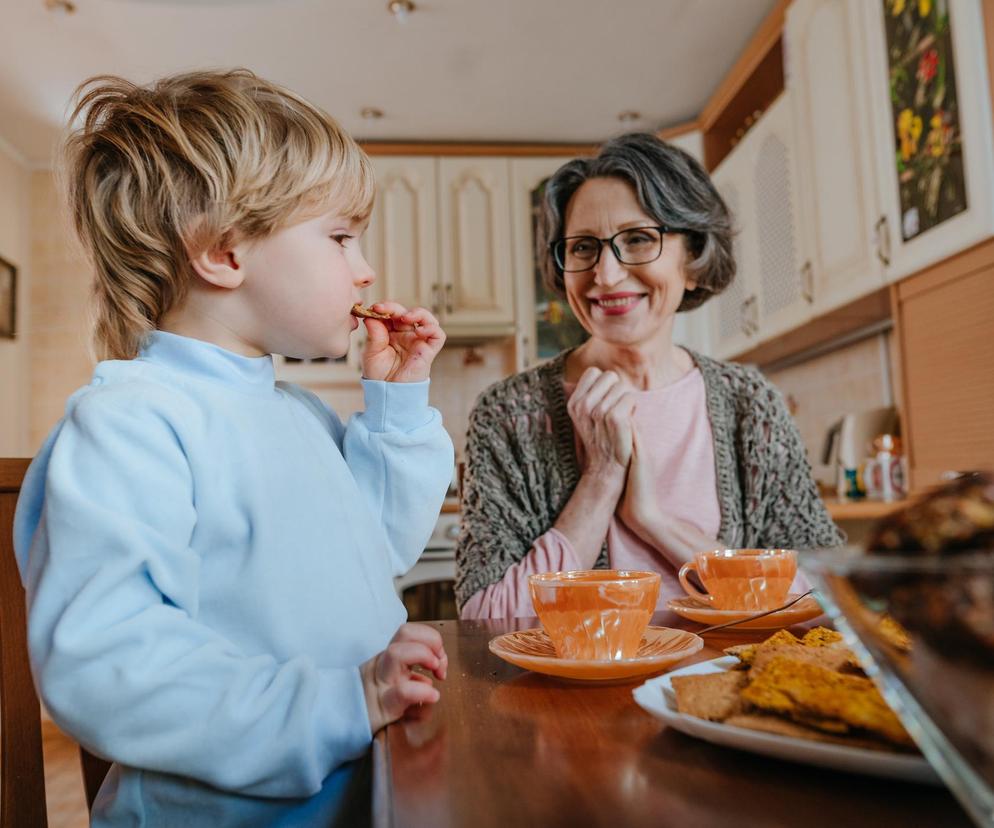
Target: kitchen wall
(59, 360)
(14, 247)
(822, 389)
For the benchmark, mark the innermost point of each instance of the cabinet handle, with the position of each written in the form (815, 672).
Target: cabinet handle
(436, 303)
(750, 325)
(883, 240)
(448, 298)
(808, 282)
(744, 316)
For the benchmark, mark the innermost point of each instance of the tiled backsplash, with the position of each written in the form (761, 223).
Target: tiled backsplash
(823, 389)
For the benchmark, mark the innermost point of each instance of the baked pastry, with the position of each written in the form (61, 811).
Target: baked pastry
(365, 313)
(948, 602)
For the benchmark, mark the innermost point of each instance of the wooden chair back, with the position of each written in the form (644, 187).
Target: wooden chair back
(22, 770)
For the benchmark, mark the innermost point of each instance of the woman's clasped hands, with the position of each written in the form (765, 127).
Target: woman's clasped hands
(602, 409)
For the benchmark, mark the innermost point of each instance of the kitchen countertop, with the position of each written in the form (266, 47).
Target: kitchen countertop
(861, 509)
(838, 509)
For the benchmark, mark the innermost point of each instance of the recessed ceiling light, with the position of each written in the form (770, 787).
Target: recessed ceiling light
(401, 9)
(629, 115)
(61, 6)
(371, 113)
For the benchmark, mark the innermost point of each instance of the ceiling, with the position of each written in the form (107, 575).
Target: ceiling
(456, 70)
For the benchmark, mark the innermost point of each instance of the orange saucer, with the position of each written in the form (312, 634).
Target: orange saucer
(694, 609)
(532, 650)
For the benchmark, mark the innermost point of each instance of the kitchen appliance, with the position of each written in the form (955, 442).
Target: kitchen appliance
(849, 442)
(426, 587)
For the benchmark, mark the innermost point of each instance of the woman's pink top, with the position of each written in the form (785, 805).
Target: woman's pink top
(675, 433)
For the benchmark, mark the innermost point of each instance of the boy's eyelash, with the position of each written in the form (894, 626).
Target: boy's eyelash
(341, 238)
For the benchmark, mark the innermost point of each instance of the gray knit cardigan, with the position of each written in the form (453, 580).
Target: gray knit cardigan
(521, 468)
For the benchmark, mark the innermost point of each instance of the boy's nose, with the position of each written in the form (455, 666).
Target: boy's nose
(364, 275)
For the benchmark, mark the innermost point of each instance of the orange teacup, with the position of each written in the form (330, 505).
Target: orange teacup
(742, 579)
(595, 613)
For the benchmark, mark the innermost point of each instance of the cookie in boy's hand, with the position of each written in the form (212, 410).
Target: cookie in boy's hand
(365, 313)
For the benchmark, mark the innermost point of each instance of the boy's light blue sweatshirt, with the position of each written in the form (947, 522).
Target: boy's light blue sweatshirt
(208, 557)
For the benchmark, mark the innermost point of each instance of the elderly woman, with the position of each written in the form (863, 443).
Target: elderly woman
(629, 451)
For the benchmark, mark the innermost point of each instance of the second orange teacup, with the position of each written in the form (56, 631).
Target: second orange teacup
(595, 613)
(742, 579)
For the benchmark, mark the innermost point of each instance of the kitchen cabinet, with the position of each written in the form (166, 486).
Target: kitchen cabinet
(474, 219)
(838, 74)
(945, 353)
(440, 237)
(401, 243)
(546, 324)
(733, 319)
(826, 76)
(784, 287)
(759, 185)
(904, 256)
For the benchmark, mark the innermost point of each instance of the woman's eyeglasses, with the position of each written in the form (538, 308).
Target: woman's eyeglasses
(634, 246)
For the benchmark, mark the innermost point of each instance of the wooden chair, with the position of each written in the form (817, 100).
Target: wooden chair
(22, 772)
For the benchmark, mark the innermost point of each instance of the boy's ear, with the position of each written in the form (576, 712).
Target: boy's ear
(220, 267)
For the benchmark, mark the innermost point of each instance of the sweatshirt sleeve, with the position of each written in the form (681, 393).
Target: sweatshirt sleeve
(402, 459)
(510, 596)
(118, 655)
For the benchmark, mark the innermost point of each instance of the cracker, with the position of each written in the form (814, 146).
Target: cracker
(365, 313)
(713, 697)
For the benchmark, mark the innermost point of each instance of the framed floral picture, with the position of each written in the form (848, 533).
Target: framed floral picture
(928, 139)
(8, 299)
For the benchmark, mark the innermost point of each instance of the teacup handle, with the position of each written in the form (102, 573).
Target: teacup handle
(688, 587)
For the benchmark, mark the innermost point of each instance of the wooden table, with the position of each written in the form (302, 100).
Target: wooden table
(506, 747)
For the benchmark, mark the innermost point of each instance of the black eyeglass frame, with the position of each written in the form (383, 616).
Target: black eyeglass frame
(662, 228)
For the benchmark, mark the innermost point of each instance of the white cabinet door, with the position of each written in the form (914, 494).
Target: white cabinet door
(545, 323)
(827, 85)
(912, 247)
(784, 292)
(400, 243)
(475, 241)
(734, 315)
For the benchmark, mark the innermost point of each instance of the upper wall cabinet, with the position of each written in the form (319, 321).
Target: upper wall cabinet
(475, 241)
(841, 234)
(401, 242)
(785, 289)
(546, 324)
(770, 293)
(892, 115)
(440, 237)
(734, 313)
(931, 117)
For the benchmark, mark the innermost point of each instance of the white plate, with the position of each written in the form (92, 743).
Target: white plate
(656, 696)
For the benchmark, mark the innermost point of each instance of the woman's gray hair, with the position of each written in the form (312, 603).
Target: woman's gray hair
(672, 188)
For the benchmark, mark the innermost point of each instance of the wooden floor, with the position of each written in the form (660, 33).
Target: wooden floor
(63, 780)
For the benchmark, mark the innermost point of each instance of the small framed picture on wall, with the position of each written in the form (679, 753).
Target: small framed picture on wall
(8, 299)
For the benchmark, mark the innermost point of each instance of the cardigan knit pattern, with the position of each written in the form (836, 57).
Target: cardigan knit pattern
(522, 468)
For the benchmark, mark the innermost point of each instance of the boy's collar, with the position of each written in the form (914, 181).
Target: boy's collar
(207, 361)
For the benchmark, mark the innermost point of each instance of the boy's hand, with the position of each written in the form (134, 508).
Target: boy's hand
(402, 348)
(390, 683)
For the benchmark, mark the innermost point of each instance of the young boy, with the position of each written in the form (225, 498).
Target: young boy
(208, 554)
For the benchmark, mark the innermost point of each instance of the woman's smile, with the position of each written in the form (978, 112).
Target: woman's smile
(616, 304)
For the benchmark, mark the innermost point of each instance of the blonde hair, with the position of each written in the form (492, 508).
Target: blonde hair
(157, 175)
